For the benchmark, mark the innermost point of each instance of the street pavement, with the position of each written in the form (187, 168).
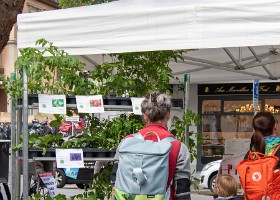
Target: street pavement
(72, 189)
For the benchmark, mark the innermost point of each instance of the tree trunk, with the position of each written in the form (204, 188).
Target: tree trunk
(9, 9)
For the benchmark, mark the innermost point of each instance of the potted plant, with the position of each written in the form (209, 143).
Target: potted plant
(41, 145)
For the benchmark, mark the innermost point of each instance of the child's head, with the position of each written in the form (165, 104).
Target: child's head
(226, 186)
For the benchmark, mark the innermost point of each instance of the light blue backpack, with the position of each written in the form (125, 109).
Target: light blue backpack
(143, 168)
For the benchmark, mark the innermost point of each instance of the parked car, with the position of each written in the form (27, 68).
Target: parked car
(84, 177)
(208, 174)
(228, 166)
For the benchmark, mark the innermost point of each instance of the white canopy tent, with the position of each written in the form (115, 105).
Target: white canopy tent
(204, 26)
(225, 40)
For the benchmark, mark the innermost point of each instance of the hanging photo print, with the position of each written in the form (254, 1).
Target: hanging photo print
(52, 104)
(90, 104)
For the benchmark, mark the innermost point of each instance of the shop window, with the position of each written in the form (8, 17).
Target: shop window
(272, 105)
(217, 128)
(211, 106)
(240, 106)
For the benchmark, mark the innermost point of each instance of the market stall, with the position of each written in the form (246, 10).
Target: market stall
(224, 40)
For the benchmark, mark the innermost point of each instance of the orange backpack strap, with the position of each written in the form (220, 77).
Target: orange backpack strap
(275, 150)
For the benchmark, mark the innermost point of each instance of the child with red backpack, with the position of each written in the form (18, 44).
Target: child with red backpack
(258, 171)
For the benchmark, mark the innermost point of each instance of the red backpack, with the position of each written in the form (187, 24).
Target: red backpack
(256, 174)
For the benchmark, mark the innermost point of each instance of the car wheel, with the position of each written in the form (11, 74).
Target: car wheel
(212, 182)
(82, 185)
(60, 178)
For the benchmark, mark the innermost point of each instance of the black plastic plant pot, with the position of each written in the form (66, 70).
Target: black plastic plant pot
(111, 153)
(50, 152)
(117, 101)
(110, 101)
(32, 99)
(71, 100)
(88, 152)
(19, 101)
(34, 153)
(95, 152)
(124, 101)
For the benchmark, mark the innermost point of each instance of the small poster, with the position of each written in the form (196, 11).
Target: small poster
(69, 158)
(71, 172)
(49, 182)
(52, 104)
(136, 105)
(90, 104)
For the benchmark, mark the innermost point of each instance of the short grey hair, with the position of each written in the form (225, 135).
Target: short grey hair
(156, 106)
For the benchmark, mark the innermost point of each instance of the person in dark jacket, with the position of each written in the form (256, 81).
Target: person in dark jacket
(226, 188)
(156, 109)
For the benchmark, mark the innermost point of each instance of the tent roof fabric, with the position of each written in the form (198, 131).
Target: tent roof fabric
(147, 25)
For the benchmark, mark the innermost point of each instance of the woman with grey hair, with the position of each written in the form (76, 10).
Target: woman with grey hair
(156, 110)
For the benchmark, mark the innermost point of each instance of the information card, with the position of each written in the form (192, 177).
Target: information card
(136, 105)
(90, 104)
(69, 158)
(52, 104)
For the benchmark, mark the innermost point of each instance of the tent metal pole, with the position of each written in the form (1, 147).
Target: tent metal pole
(25, 135)
(13, 144)
(228, 66)
(261, 63)
(259, 60)
(187, 101)
(199, 60)
(19, 132)
(220, 68)
(238, 66)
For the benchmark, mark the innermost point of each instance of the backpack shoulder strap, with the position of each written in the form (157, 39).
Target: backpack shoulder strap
(138, 135)
(275, 150)
(169, 139)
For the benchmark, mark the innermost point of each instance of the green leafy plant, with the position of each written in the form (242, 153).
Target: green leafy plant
(48, 65)
(136, 73)
(106, 134)
(122, 126)
(178, 128)
(41, 142)
(133, 74)
(101, 185)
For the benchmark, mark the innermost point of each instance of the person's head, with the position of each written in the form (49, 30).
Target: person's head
(263, 125)
(226, 186)
(156, 108)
